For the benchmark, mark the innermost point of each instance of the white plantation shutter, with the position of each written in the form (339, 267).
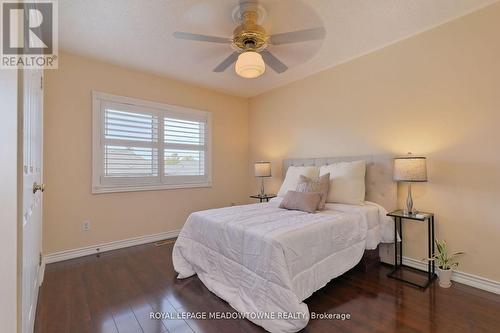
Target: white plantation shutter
(130, 143)
(185, 148)
(144, 145)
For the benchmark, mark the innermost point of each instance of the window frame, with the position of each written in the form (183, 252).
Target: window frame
(100, 184)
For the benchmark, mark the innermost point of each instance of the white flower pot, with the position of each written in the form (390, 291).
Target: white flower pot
(444, 277)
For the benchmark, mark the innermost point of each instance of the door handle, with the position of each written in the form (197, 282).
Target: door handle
(38, 187)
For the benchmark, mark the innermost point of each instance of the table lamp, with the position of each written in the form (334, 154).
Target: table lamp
(262, 170)
(410, 169)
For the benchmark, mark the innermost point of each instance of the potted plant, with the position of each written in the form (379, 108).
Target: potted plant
(445, 262)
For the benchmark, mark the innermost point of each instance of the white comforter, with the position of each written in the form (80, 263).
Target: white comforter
(264, 261)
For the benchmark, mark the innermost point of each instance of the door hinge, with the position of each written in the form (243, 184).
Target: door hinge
(40, 259)
(41, 82)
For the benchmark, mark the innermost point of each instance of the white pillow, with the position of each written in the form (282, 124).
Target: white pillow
(292, 177)
(347, 182)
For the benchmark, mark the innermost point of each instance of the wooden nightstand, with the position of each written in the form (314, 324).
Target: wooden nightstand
(413, 276)
(264, 197)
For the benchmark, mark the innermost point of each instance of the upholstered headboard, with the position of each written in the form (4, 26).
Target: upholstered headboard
(380, 187)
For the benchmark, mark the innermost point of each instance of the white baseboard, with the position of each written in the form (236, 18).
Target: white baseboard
(93, 249)
(457, 276)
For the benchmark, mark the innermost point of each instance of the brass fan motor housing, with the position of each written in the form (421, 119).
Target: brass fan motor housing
(249, 36)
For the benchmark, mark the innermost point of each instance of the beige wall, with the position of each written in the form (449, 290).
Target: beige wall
(8, 201)
(67, 167)
(436, 94)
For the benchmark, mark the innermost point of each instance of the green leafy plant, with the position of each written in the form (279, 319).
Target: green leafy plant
(444, 260)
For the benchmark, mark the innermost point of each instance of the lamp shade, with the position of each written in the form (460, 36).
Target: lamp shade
(410, 169)
(250, 65)
(262, 169)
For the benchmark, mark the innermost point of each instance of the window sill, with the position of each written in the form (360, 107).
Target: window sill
(116, 189)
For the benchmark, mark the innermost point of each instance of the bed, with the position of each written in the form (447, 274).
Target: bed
(265, 261)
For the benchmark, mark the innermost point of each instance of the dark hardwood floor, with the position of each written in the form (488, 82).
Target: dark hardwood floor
(117, 291)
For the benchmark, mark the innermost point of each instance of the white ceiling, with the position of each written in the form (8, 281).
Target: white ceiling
(138, 34)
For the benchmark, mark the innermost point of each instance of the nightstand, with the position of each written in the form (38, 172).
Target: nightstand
(264, 197)
(413, 276)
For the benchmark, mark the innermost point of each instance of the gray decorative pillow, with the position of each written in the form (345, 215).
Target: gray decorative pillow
(303, 201)
(320, 185)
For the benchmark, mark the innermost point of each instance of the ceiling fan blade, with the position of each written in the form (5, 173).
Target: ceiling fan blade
(201, 38)
(226, 62)
(273, 62)
(298, 36)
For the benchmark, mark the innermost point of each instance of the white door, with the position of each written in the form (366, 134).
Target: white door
(32, 193)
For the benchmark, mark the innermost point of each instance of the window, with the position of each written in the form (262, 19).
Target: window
(141, 145)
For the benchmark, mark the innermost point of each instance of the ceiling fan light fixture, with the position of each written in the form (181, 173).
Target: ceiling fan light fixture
(250, 65)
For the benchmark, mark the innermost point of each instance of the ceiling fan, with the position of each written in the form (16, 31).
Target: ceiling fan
(251, 42)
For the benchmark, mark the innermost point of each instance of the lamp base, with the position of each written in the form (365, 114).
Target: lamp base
(409, 202)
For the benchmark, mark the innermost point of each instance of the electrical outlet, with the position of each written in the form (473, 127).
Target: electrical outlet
(86, 225)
